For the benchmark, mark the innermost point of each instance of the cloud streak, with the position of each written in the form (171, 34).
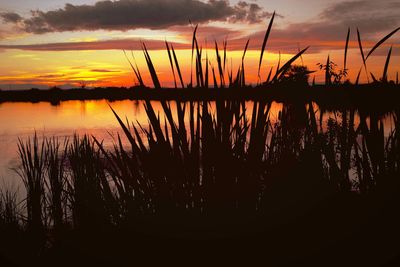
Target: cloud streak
(120, 44)
(104, 71)
(210, 33)
(125, 15)
(10, 17)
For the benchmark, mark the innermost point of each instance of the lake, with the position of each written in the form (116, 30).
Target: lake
(22, 120)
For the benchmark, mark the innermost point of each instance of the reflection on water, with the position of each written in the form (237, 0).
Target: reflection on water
(20, 120)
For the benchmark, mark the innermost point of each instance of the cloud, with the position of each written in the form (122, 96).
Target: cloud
(209, 33)
(252, 13)
(119, 44)
(328, 30)
(48, 76)
(125, 15)
(104, 71)
(370, 16)
(205, 32)
(10, 17)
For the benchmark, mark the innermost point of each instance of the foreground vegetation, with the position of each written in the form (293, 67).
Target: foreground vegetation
(210, 173)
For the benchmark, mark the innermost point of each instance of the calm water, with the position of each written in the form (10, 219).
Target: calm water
(22, 120)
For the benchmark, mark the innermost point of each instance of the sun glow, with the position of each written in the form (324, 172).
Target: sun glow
(110, 67)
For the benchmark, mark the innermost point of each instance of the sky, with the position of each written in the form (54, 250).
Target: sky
(68, 43)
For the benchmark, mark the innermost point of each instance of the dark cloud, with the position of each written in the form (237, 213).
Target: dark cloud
(120, 44)
(369, 15)
(49, 76)
(133, 14)
(10, 17)
(209, 33)
(373, 18)
(104, 71)
(328, 31)
(250, 12)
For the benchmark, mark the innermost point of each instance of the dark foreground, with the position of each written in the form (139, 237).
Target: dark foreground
(212, 187)
(341, 231)
(344, 230)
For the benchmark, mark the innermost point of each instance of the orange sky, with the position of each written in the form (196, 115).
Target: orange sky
(53, 52)
(110, 68)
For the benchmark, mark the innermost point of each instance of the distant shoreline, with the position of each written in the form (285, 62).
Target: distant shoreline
(378, 95)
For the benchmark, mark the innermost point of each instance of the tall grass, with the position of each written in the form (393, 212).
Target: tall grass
(224, 77)
(32, 170)
(202, 160)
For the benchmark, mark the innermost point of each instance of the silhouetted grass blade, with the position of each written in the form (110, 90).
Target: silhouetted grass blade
(220, 69)
(328, 72)
(177, 67)
(138, 77)
(150, 65)
(382, 41)
(358, 77)
(373, 78)
(346, 49)
(385, 70)
(265, 42)
(171, 63)
(361, 48)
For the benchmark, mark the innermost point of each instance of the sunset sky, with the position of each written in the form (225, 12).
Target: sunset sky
(67, 42)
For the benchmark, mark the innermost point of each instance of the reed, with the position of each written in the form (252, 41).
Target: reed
(195, 159)
(202, 72)
(64, 184)
(56, 182)
(205, 164)
(9, 210)
(32, 154)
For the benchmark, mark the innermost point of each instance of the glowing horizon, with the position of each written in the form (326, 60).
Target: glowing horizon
(43, 50)
(112, 70)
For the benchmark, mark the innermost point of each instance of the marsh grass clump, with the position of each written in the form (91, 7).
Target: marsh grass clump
(86, 184)
(56, 183)
(9, 211)
(32, 154)
(199, 152)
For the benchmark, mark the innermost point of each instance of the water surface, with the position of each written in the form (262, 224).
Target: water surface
(22, 120)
